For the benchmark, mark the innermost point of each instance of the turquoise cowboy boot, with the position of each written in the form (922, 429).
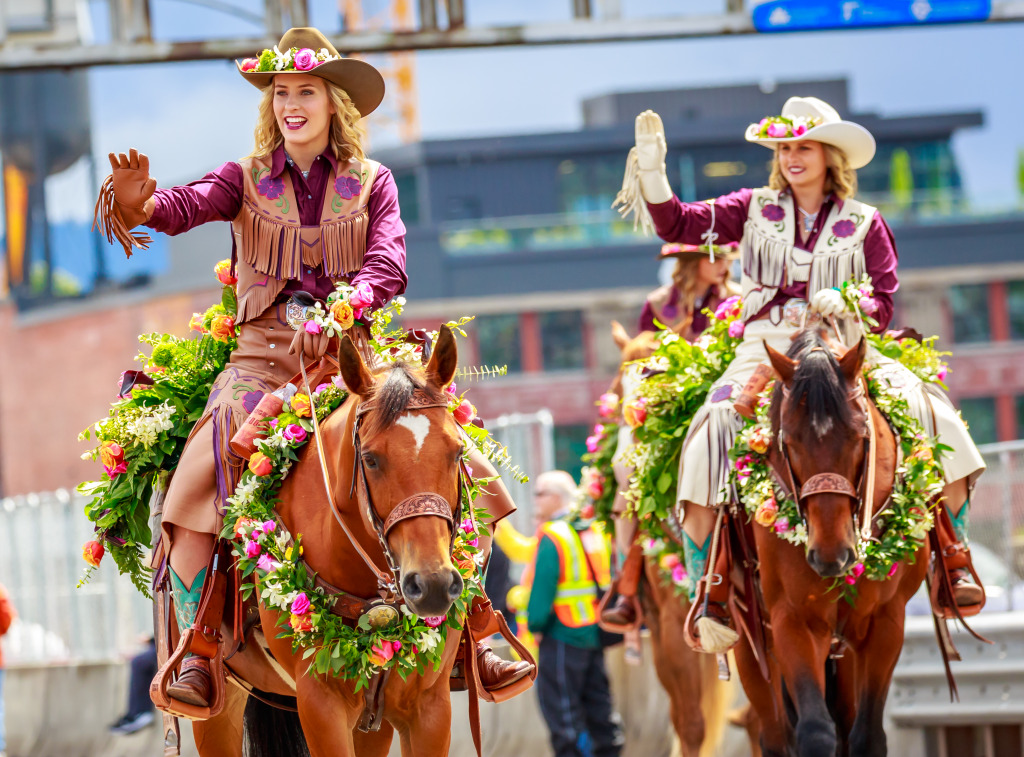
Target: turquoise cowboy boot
(194, 683)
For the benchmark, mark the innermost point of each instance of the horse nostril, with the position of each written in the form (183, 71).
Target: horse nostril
(455, 588)
(412, 587)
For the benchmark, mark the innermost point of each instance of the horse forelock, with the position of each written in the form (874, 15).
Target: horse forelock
(392, 395)
(818, 384)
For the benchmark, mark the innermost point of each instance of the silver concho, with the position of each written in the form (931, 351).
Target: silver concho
(297, 314)
(793, 313)
(380, 615)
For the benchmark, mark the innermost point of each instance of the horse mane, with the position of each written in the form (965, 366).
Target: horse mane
(817, 383)
(393, 394)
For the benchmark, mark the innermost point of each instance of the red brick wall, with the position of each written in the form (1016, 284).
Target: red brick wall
(59, 376)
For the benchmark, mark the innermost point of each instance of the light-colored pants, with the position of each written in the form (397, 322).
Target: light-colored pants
(704, 464)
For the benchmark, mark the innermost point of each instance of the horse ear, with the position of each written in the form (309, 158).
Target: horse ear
(620, 335)
(444, 361)
(852, 360)
(784, 366)
(357, 378)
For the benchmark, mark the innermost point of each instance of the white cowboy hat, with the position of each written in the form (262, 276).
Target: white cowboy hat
(811, 118)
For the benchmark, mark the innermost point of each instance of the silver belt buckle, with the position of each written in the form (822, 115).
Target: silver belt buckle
(795, 311)
(299, 309)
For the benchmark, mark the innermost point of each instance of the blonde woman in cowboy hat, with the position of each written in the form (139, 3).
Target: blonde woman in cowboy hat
(308, 209)
(799, 237)
(700, 280)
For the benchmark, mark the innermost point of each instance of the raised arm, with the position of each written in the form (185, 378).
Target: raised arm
(687, 222)
(384, 260)
(215, 197)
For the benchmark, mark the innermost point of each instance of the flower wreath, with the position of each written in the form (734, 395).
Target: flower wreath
(293, 59)
(270, 560)
(780, 127)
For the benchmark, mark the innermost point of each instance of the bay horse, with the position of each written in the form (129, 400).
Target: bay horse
(830, 662)
(697, 698)
(409, 445)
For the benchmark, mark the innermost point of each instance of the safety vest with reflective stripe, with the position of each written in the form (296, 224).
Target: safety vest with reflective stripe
(576, 598)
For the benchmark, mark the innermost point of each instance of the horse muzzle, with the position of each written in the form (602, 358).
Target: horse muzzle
(833, 568)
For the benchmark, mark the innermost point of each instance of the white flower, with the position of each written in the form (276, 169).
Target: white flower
(428, 639)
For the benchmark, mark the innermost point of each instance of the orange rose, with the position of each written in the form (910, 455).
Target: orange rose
(260, 464)
(301, 623)
(196, 324)
(300, 405)
(767, 513)
(381, 652)
(92, 553)
(222, 327)
(111, 454)
(343, 314)
(635, 412)
(223, 272)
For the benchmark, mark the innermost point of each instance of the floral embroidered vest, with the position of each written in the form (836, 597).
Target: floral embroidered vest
(771, 260)
(271, 243)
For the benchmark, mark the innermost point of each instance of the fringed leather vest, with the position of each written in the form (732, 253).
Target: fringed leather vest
(770, 259)
(271, 243)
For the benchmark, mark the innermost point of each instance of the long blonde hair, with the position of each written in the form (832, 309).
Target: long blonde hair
(688, 284)
(840, 179)
(346, 136)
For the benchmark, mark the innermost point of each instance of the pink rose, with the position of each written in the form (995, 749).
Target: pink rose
(799, 130)
(593, 443)
(857, 570)
(679, 574)
(362, 297)
(321, 387)
(595, 488)
(451, 388)
(300, 605)
(941, 375)
(467, 526)
(762, 122)
(305, 59)
(869, 305)
(269, 526)
(736, 329)
(669, 561)
(266, 563)
(777, 130)
(474, 542)
(396, 645)
(252, 549)
(781, 525)
(727, 308)
(312, 327)
(381, 653)
(339, 382)
(293, 432)
(434, 620)
(249, 64)
(464, 413)
(607, 404)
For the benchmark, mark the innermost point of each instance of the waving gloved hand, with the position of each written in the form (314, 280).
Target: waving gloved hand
(309, 345)
(828, 302)
(650, 152)
(133, 186)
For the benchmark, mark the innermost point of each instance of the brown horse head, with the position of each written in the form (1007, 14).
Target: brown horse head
(820, 426)
(410, 448)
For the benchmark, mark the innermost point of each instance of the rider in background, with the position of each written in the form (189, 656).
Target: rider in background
(308, 209)
(800, 237)
(700, 280)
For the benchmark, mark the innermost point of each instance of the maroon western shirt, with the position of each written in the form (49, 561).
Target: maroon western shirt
(218, 197)
(684, 222)
(697, 325)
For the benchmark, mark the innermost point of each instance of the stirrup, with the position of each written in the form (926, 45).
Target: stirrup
(613, 624)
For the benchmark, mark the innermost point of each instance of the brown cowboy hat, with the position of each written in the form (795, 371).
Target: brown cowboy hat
(729, 251)
(361, 81)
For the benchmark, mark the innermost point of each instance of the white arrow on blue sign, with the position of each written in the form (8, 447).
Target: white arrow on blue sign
(807, 15)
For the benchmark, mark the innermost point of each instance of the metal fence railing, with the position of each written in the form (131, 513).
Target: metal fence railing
(41, 538)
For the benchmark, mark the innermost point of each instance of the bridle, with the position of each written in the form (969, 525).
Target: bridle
(861, 492)
(421, 504)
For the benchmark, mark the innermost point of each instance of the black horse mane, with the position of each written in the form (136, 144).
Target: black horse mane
(817, 383)
(392, 396)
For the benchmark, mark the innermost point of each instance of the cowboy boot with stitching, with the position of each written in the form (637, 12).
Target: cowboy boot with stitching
(194, 683)
(712, 618)
(623, 611)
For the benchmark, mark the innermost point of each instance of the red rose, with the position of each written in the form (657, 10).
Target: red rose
(92, 553)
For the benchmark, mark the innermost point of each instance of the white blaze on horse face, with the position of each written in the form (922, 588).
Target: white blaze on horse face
(419, 425)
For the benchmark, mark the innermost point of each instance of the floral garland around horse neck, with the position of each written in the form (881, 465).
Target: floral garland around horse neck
(903, 526)
(270, 560)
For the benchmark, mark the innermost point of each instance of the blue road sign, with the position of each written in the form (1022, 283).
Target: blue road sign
(807, 15)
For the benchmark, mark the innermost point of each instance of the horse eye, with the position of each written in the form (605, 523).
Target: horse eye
(369, 460)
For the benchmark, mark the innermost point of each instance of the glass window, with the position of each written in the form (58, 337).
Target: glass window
(561, 339)
(498, 338)
(980, 414)
(408, 198)
(570, 446)
(589, 184)
(1015, 303)
(968, 304)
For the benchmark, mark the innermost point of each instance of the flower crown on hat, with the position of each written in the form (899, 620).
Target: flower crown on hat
(293, 59)
(780, 127)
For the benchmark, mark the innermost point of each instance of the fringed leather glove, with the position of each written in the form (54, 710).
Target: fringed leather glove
(124, 201)
(310, 346)
(645, 179)
(828, 302)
